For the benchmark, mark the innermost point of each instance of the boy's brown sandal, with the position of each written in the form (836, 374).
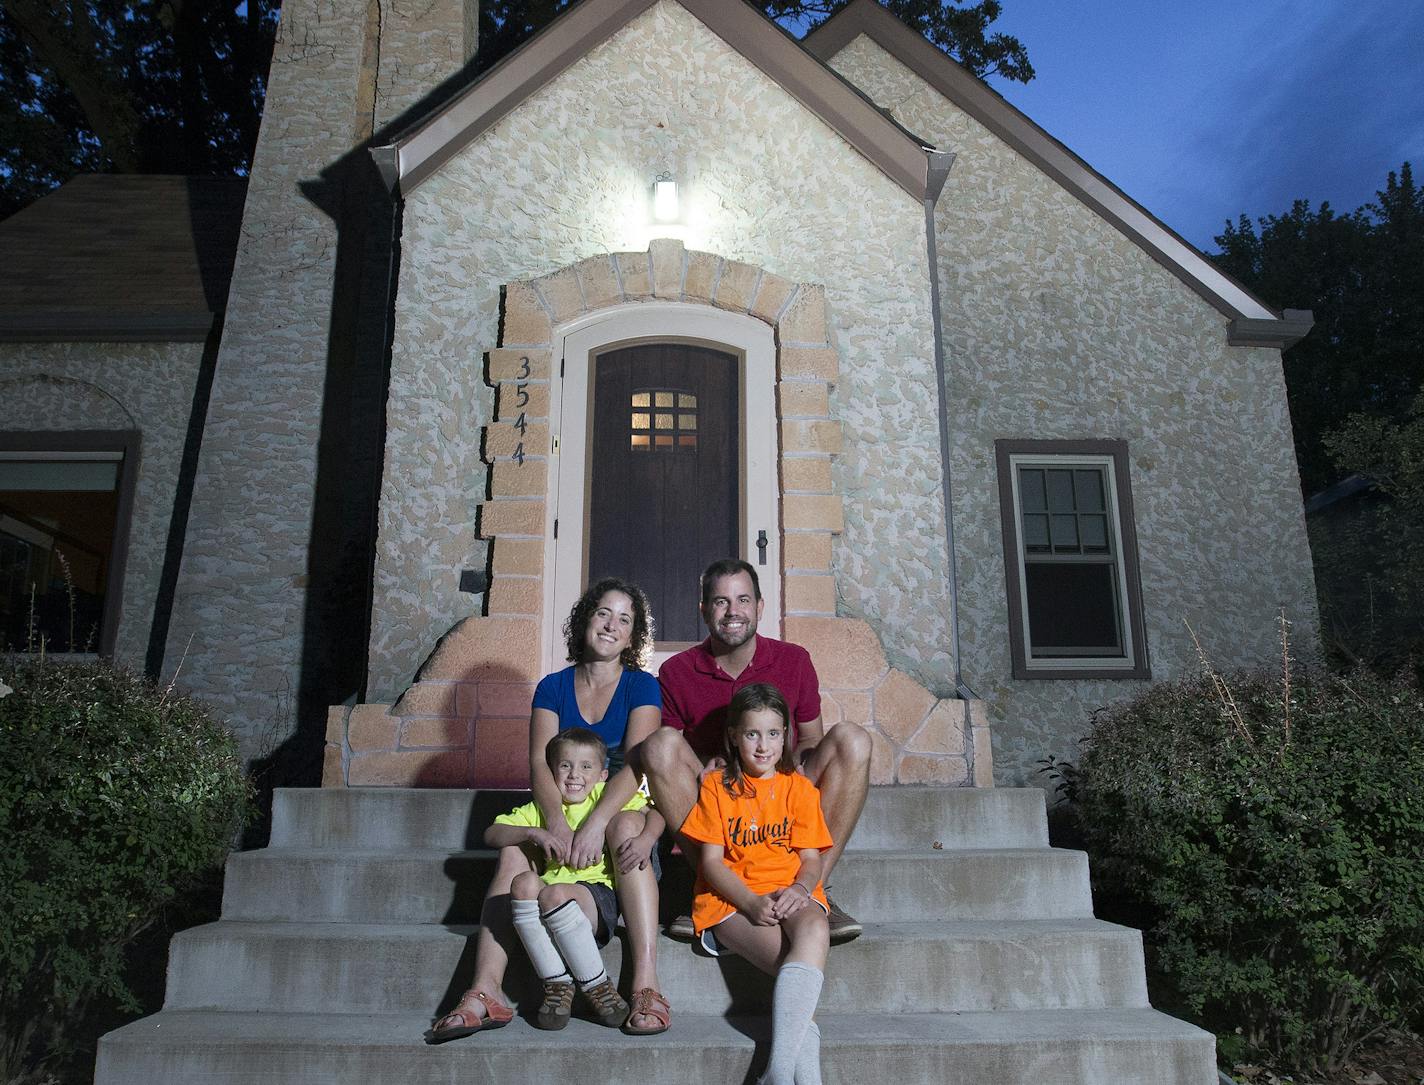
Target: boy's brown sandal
(606, 1004)
(558, 1005)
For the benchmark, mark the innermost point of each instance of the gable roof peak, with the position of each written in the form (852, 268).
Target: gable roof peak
(421, 150)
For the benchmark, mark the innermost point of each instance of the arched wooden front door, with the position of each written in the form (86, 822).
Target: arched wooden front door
(663, 494)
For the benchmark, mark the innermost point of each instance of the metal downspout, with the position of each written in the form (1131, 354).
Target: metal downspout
(940, 163)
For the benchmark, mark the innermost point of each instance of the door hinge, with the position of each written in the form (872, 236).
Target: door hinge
(556, 528)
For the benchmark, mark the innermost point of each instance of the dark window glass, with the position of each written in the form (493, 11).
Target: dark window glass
(57, 523)
(1072, 610)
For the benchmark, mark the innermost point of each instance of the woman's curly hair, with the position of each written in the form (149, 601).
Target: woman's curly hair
(640, 644)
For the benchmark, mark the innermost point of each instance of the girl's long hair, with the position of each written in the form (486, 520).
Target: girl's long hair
(753, 698)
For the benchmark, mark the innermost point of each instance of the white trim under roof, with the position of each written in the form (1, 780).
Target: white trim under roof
(423, 149)
(1263, 326)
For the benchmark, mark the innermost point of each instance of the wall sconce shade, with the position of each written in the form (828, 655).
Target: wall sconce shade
(665, 202)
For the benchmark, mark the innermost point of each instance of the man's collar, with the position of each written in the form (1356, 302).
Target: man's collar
(706, 662)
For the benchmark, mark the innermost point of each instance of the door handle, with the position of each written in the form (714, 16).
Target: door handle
(761, 545)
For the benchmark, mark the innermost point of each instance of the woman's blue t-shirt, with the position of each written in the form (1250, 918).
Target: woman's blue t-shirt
(555, 692)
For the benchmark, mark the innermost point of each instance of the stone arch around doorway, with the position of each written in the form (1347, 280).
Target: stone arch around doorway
(464, 722)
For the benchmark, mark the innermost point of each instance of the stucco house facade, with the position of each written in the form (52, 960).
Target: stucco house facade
(999, 443)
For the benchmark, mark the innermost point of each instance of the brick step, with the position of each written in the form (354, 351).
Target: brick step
(1065, 1047)
(959, 965)
(894, 817)
(434, 886)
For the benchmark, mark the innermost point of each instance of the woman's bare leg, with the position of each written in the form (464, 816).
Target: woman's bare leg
(497, 937)
(638, 901)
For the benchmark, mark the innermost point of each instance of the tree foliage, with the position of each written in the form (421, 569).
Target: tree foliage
(960, 28)
(128, 86)
(1363, 275)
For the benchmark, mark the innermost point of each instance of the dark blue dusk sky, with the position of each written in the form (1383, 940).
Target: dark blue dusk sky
(1204, 109)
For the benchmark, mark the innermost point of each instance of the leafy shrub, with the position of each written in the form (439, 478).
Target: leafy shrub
(115, 795)
(1271, 826)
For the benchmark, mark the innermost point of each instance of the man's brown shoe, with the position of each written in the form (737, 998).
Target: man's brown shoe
(681, 928)
(843, 927)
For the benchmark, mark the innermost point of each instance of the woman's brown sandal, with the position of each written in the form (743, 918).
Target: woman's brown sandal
(457, 1023)
(606, 1004)
(648, 1003)
(558, 1005)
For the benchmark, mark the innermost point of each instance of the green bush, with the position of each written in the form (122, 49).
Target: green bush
(1271, 828)
(115, 795)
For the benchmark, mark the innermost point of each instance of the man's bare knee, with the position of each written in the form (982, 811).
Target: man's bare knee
(625, 824)
(851, 743)
(664, 751)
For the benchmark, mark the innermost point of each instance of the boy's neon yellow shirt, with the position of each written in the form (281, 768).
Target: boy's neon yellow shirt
(600, 872)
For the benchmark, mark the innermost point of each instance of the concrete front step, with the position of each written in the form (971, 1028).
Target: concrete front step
(1064, 1047)
(454, 820)
(964, 965)
(424, 886)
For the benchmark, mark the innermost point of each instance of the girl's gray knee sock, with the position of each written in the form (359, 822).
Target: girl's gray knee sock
(808, 1059)
(793, 1004)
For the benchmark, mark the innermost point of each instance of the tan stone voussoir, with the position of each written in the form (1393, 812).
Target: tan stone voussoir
(666, 255)
(771, 296)
(635, 275)
(562, 293)
(701, 277)
(736, 287)
(599, 279)
(805, 319)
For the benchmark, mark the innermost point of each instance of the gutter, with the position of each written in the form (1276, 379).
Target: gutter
(940, 163)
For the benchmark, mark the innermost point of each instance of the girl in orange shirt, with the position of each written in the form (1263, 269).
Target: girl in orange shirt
(758, 894)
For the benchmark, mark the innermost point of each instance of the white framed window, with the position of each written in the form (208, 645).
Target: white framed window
(1070, 556)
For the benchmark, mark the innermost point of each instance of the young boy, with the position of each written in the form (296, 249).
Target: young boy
(563, 916)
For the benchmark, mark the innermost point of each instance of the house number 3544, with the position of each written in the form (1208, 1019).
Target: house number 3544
(521, 395)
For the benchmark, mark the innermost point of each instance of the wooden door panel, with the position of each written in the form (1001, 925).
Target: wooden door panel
(660, 511)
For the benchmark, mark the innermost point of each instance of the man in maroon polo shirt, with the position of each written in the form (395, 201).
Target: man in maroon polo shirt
(697, 686)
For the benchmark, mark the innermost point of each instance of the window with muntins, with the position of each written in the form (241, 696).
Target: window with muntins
(663, 420)
(1070, 560)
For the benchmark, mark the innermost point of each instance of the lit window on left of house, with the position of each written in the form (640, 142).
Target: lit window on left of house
(59, 519)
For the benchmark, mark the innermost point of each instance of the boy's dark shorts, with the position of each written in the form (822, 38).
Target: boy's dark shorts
(605, 903)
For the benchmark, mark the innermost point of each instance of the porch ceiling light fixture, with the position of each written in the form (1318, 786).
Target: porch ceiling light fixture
(665, 201)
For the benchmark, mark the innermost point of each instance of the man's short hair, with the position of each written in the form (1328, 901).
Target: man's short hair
(574, 736)
(727, 567)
